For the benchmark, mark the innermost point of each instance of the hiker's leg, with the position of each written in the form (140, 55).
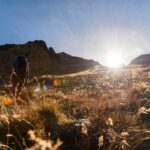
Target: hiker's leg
(21, 79)
(14, 82)
(20, 86)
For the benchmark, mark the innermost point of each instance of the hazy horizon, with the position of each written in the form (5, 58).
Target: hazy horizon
(84, 28)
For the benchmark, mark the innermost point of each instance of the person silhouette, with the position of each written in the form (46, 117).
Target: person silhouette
(20, 74)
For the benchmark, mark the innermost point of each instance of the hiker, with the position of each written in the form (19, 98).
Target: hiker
(20, 74)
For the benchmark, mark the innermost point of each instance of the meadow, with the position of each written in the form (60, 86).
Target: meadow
(99, 109)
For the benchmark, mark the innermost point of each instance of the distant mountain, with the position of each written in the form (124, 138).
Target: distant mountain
(141, 60)
(42, 60)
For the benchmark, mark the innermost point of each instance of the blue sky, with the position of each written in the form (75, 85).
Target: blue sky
(86, 28)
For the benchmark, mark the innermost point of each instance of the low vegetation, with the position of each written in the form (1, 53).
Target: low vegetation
(96, 110)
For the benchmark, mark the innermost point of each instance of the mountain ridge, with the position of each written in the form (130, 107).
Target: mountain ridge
(42, 60)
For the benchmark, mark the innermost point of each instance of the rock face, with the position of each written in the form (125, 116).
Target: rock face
(141, 60)
(42, 60)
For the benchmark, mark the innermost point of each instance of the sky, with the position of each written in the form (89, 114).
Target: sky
(92, 29)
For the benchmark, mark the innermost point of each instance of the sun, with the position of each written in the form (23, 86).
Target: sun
(114, 60)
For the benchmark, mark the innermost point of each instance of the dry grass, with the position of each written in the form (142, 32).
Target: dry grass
(100, 110)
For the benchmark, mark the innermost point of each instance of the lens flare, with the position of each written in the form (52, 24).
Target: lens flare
(45, 87)
(37, 89)
(57, 82)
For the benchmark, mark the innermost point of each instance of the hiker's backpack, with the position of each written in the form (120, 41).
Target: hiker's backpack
(20, 62)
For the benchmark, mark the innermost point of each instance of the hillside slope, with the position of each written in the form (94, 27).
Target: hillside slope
(141, 60)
